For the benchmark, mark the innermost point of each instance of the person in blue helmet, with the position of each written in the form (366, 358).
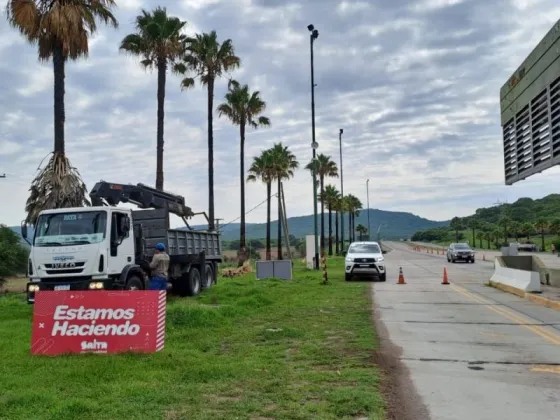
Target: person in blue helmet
(160, 267)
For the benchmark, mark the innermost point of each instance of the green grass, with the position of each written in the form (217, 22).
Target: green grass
(245, 349)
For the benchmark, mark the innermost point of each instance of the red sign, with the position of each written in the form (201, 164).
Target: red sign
(98, 322)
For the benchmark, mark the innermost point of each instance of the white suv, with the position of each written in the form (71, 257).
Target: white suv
(364, 259)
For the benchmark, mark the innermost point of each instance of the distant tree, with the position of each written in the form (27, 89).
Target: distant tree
(554, 226)
(353, 205)
(515, 229)
(13, 256)
(324, 167)
(263, 169)
(456, 224)
(526, 230)
(480, 237)
(361, 229)
(330, 197)
(160, 42)
(541, 225)
(488, 237)
(473, 224)
(505, 223)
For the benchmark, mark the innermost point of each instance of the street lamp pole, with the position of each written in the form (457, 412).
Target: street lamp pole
(312, 37)
(367, 193)
(341, 190)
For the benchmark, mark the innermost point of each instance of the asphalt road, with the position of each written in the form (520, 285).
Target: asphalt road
(471, 351)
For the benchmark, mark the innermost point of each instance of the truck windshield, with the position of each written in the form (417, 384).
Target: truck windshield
(61, 229)
(364, 249)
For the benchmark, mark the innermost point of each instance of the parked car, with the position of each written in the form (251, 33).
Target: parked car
(364, 259)
(460, 252)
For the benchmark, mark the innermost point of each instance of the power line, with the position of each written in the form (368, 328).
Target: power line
(246, 213)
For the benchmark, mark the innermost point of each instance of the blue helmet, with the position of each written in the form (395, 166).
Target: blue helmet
(160, 247)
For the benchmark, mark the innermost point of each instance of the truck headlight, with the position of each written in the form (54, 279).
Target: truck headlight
(349, 259)
(96, 285)
(33, 288)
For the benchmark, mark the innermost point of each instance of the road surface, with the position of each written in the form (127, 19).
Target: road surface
(471, 351)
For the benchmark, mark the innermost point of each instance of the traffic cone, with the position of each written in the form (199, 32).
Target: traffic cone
(445, 280)
(401, 277)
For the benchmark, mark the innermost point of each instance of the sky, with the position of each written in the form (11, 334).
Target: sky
(413, 83)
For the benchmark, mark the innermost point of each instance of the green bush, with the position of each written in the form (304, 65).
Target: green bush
(13, 256)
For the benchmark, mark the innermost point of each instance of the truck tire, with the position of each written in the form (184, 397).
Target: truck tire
(191, 283)
(347, 277)
(383, 277)
(208, 280)
(134, 283)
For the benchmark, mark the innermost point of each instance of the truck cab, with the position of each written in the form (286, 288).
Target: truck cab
(82, 248)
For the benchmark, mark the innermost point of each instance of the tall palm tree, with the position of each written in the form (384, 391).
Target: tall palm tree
(480, 237)
(474, 224)
(337, 214)
(242, 108)
(526, 230)
(353, 207)
(263, 169)
(285, 164)
(60, 30)
(540, 226)
(456, 224)
(323, 167)
(330, 198)
(209, 60)
(505, 223)
(160, 43)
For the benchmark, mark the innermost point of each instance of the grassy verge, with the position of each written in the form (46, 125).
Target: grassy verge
(245, 349)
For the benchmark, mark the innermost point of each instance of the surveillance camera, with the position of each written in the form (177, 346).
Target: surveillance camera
(310, 28)
(341, 131)
(315, 34)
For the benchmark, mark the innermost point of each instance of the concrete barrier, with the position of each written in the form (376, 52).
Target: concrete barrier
(522, 280)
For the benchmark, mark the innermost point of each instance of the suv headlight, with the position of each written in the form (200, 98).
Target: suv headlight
(349, 260)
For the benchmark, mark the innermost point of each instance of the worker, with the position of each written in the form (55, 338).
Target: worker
(159, 267)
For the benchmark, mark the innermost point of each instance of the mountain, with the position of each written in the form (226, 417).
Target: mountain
(394, 225)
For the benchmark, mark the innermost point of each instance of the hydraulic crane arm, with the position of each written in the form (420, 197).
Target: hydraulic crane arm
(141, 195)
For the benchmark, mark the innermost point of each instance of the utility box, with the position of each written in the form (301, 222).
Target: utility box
(279, 269)
(310, 251)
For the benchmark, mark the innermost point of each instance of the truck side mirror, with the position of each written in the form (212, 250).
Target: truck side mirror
(24, 230)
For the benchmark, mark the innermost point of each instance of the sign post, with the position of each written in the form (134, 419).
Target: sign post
(105, 321)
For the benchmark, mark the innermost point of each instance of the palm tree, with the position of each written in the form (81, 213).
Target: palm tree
(474, 224)
(353, 206)
(209, 60)
(480, 237)
(160, 43)
(242, 108)
(323, 167)
(285, 164)
(515, 228)
(330, 198)
(456, 224)
(337, 207)
(263, 168)
(361, 229)
(488, 237)
(60, 30)
(540, 226)
(505, 223)
(526, 230)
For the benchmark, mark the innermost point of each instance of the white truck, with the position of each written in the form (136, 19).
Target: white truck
(109, 247)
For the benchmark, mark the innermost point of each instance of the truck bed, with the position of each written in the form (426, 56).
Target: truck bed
(178, 242)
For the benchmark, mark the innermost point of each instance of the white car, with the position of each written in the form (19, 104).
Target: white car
(364, 259)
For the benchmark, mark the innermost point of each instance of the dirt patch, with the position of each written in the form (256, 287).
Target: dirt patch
(403, 402)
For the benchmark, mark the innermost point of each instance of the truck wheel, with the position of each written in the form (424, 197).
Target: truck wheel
(383, 277)
(193, 282)
(134, 283)
(347, 277)
(208, 277)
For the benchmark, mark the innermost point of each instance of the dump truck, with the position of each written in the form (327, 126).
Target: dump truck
(106, 247)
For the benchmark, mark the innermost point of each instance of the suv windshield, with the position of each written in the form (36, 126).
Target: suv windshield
(61, 229)
(462, 247)
(364, 249)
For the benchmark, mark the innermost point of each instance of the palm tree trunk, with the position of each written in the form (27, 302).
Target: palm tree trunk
(242, 241)
(322, 179)
(330, 231)
(279, 222)
(59, 113)
(542, 239)
(162, 70)
(473, 238)
(268, 203)
(210, 155)
(336, 213)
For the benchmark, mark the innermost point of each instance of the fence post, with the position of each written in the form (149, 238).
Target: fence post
(324, 264)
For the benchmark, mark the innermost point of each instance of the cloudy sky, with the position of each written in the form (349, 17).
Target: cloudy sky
(413, 83)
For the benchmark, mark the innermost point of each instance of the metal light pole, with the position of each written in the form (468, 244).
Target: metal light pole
(341, 190)
(368, 225)
(312, 37)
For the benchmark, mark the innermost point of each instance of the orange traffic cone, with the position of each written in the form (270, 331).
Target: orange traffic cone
(445, 280)
(401, 277)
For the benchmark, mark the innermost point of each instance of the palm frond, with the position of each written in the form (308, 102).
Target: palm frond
(57, 185)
